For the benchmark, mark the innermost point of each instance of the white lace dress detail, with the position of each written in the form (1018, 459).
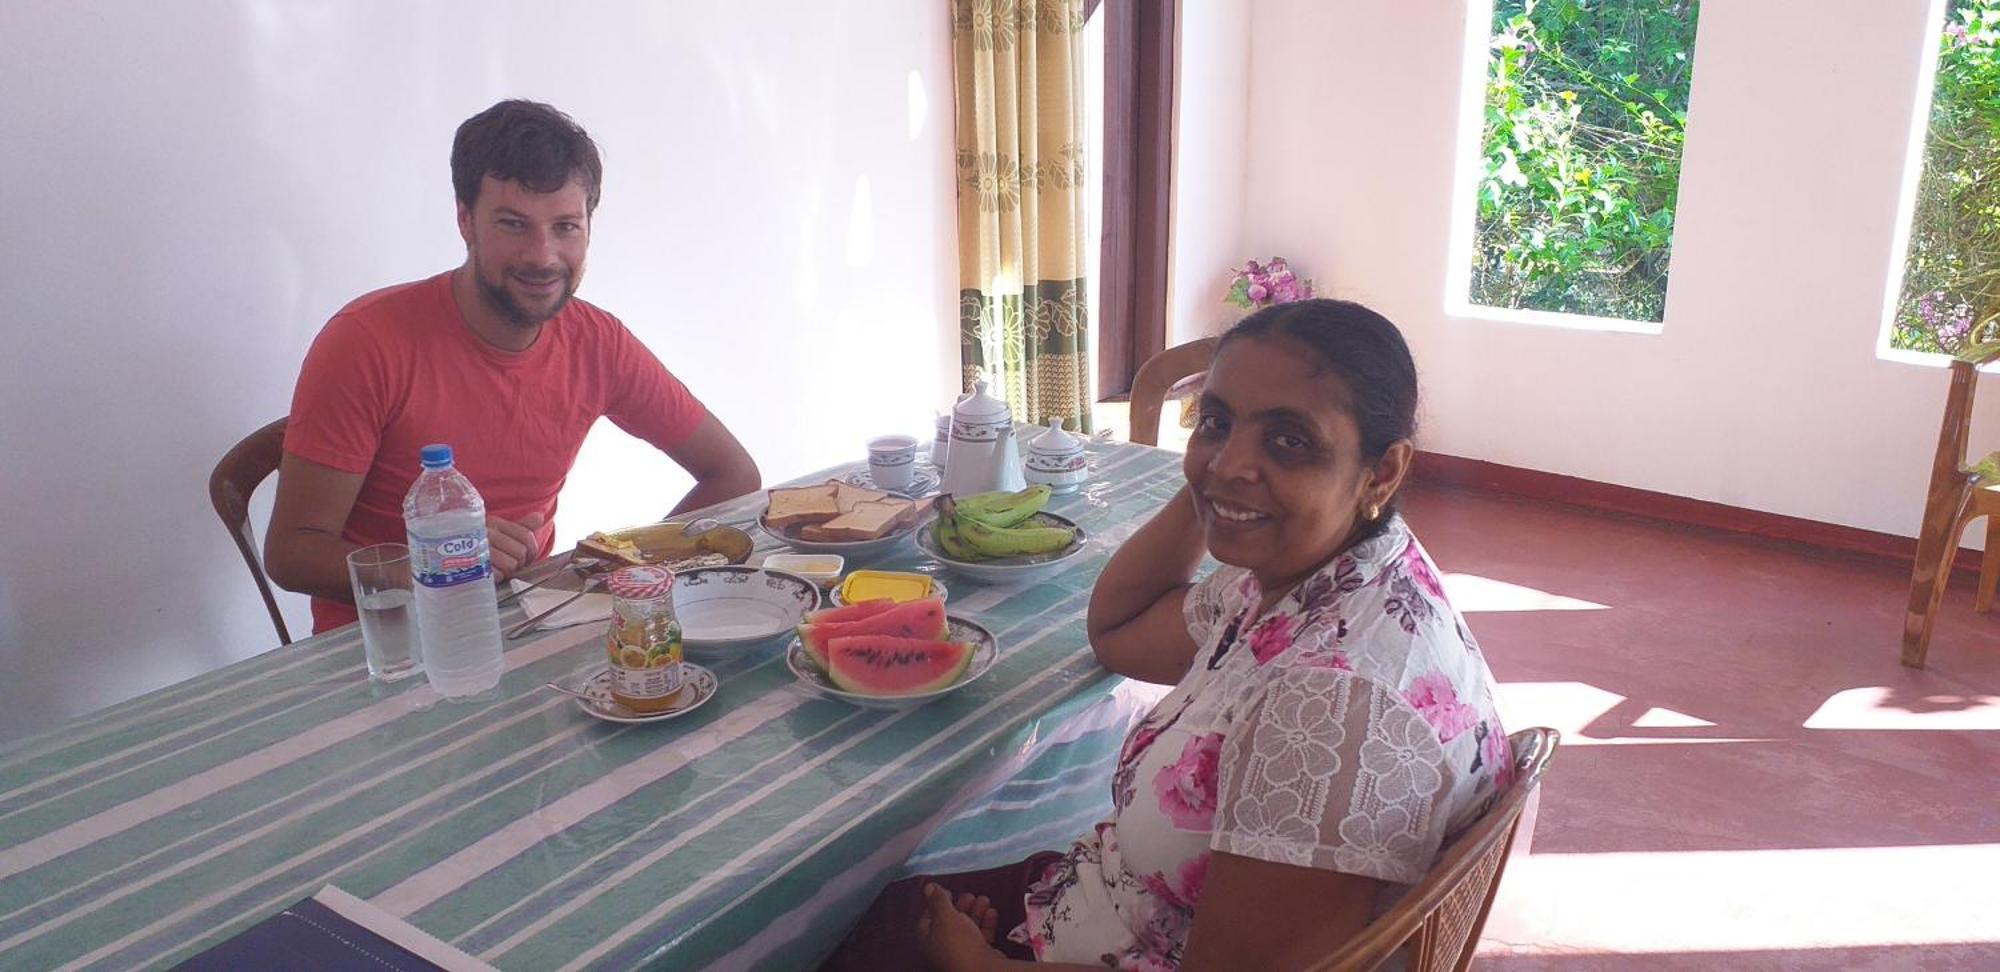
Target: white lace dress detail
(1350, 728)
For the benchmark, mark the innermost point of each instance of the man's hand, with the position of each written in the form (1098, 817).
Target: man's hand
(512, 545)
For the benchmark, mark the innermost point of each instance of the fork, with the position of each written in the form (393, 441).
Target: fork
(581, 566)
(590, 583)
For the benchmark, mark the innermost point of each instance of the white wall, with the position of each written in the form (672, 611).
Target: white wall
(1211, 127)
(1764, 389)
(191, 189)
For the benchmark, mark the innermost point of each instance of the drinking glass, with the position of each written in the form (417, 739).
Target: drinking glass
(383, 596)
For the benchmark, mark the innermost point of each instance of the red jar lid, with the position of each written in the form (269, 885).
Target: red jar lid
(640, 583)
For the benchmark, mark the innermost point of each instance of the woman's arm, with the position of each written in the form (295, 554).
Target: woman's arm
(1135, 621)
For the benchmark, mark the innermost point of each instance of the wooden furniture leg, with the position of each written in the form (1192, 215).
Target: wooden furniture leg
(1936, 545)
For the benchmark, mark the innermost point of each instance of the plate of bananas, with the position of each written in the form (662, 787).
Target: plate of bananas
(1000, 537)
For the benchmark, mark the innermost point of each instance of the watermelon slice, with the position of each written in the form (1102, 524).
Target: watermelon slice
(886, 666)
(922, 619)
(850, 612)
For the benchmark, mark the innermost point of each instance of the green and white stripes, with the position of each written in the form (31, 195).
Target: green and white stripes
(745, 835)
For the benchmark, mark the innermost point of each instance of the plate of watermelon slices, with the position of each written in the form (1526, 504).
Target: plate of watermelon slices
(880, 655)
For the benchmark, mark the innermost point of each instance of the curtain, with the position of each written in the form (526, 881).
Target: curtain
(1139, 53)
(1023, 318)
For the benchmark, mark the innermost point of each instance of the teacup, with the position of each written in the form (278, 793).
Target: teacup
(892, 461)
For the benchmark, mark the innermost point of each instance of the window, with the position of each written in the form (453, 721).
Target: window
(1584, 113)
(1951, 265)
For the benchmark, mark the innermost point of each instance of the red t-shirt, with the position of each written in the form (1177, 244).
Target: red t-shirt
(399, 369)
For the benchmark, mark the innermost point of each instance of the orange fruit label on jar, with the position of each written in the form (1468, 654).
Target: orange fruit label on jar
(645, 668)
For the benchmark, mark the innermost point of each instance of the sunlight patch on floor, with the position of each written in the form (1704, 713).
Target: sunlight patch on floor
(1713, 901)
(1882, 708)
(1577, 708)
(1471, 593)
(1658, 718)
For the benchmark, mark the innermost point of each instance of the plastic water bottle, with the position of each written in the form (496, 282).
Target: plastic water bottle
(458, 619)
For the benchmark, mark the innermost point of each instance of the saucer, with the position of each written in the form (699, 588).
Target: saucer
(598, 686)
(923, 482)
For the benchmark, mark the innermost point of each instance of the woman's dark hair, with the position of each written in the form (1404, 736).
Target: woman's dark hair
(1360, 346)
(526, 142)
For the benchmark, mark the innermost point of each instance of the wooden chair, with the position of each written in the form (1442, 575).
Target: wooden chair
(1958, 495)
(229, 487)
(1159, 373)
(1437, 924)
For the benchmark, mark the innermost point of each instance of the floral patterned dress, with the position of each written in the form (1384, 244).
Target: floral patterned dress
(1350, 728)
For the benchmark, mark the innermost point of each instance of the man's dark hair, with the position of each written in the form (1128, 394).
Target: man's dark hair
(527, 142)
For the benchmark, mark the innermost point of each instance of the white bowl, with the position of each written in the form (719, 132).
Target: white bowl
(730, 607)
(986, 651)
(1008, 570)
(845, 548)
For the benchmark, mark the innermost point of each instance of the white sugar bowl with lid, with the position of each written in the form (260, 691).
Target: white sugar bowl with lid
(1056, 459)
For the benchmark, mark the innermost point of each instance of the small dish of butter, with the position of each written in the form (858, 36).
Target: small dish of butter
(822, 569)
(894, 585)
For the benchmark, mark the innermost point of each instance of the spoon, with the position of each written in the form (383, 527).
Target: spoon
(698, 527)
(608, 706)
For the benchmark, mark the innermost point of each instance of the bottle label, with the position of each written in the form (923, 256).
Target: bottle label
(437, 562)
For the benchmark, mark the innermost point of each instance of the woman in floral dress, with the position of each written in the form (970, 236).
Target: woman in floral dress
(1332, 723)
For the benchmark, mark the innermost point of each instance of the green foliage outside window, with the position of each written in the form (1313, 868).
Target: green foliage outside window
(1951, 273)
(1586, 111)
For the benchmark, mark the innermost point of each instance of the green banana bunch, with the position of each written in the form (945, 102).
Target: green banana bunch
(949, 541)
(1002, 509)
(963, 536)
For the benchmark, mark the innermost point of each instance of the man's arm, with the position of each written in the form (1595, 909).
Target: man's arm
(303, 550)
(721, 467)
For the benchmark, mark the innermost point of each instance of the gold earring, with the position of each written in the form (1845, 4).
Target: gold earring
(1374, 511)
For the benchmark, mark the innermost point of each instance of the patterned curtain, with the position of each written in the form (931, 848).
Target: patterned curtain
(1022, 320)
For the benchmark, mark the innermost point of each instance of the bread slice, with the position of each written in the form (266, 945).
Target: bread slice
(847, 495)
(790, 506)
(869, 520)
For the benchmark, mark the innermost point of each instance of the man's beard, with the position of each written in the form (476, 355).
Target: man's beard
(511, 311)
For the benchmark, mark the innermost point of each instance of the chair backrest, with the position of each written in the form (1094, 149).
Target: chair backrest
(1440, 919)
(1149, 386)
(229, 487)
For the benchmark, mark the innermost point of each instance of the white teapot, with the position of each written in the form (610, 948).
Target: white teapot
(983, 455)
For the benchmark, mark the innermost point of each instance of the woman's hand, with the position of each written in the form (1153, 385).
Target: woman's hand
(958, 933)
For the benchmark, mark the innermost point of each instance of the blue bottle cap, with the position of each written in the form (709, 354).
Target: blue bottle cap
(436, 456)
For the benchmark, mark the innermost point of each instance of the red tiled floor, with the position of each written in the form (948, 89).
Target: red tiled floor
(1749, 779)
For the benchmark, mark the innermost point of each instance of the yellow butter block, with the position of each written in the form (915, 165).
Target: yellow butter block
(898, 586)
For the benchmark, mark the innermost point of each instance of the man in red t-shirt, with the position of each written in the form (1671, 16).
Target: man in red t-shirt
(495, 358)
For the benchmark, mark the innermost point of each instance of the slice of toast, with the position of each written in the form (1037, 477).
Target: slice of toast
(790, 506)
(847, 495)
(868, 520)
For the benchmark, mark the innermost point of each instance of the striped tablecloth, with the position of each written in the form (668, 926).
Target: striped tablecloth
(747, 834)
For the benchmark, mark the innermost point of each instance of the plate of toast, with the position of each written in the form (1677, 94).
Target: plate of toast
(839, 517)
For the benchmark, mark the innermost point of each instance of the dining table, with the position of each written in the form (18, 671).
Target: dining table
(748, 833)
